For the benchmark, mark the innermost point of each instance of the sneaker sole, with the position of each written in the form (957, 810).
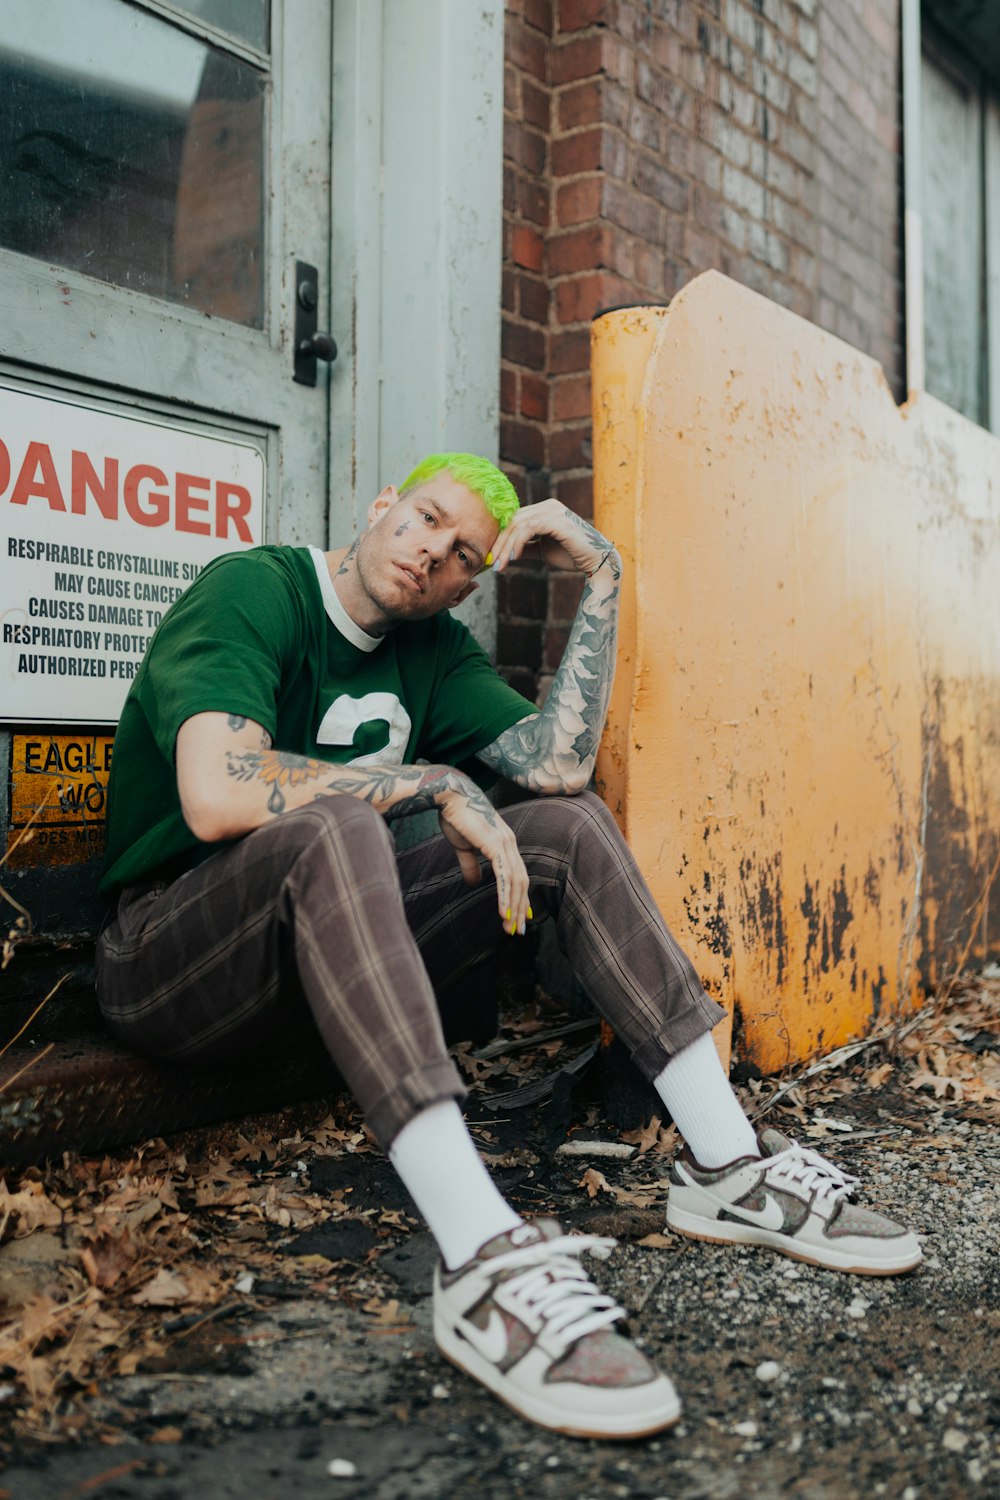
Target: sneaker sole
(726, 1232)
(662, 1413)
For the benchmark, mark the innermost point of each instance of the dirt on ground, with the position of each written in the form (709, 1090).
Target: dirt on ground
(245, 1311)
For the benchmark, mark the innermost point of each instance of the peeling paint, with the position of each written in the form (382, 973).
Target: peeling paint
(808, 769)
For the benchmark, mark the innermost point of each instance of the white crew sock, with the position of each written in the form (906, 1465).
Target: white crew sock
(446, 1177)
(704, 1108)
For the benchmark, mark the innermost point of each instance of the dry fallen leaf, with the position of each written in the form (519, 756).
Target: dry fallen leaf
(28, 1209)
(595, 1182)
(107, 1258)
(646, 1137)
(166, 1289)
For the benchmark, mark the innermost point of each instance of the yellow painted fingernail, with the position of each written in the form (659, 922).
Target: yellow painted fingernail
(489, 558)
(508, 914)
(531, 914)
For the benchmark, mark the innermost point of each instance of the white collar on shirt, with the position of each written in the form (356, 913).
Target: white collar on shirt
(335, 610)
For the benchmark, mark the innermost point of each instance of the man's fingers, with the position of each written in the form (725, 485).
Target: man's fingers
(512, 892)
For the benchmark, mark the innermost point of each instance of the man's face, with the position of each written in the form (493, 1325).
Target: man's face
(422, 550)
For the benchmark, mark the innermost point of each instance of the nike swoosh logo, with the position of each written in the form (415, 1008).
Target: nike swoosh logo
(768, 1217)
(491, 1341)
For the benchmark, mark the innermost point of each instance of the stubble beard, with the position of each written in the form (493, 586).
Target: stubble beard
(386, 599)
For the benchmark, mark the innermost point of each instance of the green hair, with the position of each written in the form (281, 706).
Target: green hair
(477, 474)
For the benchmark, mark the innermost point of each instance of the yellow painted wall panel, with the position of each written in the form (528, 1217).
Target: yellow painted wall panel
(804, 740)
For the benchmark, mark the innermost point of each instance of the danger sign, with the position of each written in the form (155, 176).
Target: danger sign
(106, 520)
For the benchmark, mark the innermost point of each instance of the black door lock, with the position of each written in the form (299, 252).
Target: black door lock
(310, 345)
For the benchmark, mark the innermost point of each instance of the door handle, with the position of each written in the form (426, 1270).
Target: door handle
(309, 344)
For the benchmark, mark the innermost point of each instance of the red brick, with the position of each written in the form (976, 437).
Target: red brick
(527, 148)
(512, 91)
(508, 290)
(522, 345)
(525, 48)
(571, 447)
(516, 476)
(509, 189)
(579, 152)
(527, 248)
(667, 48)
(564, 595)
(539, 487)
(508, 389)
(629, 210)
(666, 187)
(579, 250)
(556, 641)
(648, 268)
(533, 299)
(535, 104)
(578, 201)
(579, 58)
(580, 104)
(577, 493)
(600, 149)
(574, 15)
(522, 443)
(569, 351)
(647, 127)
(617, 59)
(538, 13)
(534, 397)
(522, 592)
(578, 299)
(571, 398)
(533, 201)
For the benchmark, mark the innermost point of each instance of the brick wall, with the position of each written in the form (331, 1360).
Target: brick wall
(647, 141)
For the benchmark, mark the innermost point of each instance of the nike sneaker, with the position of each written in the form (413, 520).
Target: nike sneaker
(524, 1320)
(790, 1199)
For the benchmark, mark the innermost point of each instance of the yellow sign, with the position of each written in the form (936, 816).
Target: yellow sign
(58, 795)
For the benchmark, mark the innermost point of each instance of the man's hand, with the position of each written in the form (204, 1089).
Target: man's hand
(565, 540)
(473, 828)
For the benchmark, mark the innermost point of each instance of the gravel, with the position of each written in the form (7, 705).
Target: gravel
(796, 1381)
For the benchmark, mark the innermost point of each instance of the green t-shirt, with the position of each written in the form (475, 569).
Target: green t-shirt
(262, 634)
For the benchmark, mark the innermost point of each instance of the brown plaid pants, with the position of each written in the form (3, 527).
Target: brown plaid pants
(318, 904)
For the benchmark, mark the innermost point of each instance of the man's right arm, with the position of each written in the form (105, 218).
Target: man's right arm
(231, 780)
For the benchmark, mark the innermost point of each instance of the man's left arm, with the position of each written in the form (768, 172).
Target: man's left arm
(554, 750)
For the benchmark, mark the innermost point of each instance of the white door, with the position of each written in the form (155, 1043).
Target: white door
(164, 166)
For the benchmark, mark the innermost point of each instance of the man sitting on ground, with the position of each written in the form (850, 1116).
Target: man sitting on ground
(291, 705)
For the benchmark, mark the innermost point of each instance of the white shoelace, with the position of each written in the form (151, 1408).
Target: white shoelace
(555, 1287)
(801, 1166)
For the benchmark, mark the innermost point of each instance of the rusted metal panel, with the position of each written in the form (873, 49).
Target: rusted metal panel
(803, 744)
(89, 1094)
(57, 799)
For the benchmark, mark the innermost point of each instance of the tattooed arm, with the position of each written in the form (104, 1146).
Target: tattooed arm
(555, 749)
(231, 780)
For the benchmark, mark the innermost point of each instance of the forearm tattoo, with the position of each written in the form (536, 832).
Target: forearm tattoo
(557, 748)
(395, 791)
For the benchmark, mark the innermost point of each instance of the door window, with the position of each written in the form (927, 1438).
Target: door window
(134, 152)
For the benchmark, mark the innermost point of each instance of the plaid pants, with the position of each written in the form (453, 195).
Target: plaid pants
(318, 905)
